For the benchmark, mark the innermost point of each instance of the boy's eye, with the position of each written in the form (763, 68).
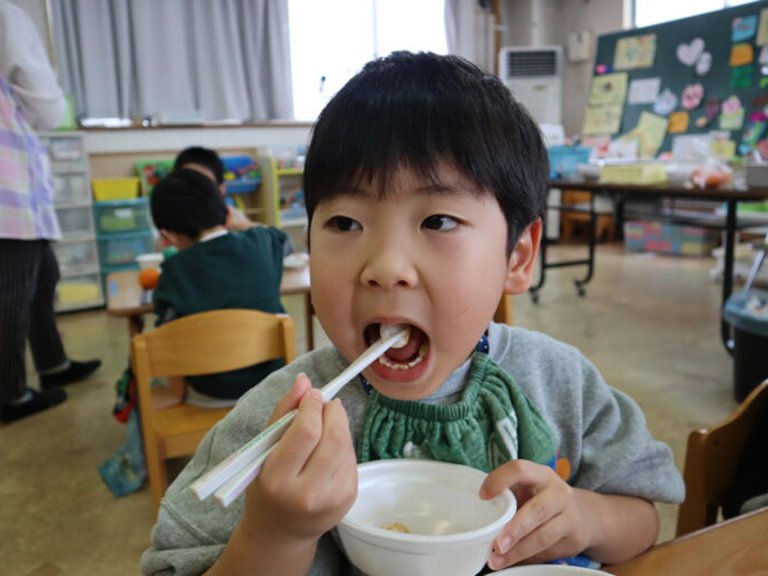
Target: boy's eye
(342, 224)
(440, 222)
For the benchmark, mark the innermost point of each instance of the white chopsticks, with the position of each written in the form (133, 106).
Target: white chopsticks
(228, 480)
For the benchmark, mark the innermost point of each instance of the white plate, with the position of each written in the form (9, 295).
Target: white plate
(296, 260)
(549, 570)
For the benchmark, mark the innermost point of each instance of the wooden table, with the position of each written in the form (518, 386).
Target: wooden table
(735, 547)
(729, 224)
(127, 299)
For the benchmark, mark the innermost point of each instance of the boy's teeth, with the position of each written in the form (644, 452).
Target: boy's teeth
(389, 363)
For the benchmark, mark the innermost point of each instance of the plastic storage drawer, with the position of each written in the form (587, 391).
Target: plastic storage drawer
(71, 189)
(75, 221)
(67, 152)
(79, 255)
(121, 249)
(82, 291)
(122, 216)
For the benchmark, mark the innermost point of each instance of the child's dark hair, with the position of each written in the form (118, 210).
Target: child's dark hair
(203, 156)
(416, 110)
(187, 202)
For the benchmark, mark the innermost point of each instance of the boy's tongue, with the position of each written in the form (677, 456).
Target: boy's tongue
(410, 350)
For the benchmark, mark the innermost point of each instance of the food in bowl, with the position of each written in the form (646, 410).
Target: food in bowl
(397, 527)
(451, 529)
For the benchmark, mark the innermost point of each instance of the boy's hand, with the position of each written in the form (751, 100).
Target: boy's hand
(550, 522)
(309, 482)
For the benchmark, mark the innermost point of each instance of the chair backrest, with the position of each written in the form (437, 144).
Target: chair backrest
(711, 460)
(204, 343)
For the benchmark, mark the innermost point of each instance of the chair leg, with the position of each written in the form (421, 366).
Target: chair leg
(156, 471)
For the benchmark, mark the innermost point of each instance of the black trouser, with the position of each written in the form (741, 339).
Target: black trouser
(28, 276)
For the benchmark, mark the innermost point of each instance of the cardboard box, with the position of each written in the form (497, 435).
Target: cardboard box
(665, 238)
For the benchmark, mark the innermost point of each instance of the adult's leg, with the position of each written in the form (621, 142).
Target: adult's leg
(44, 339)
(19, 262)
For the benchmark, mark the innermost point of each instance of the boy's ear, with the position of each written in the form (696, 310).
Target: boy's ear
(173, 238)
(523, 259)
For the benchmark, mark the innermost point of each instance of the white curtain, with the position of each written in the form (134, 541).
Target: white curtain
(228, 59)
(470, 29)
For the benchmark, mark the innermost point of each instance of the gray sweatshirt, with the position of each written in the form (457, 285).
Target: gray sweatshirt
(600, 430)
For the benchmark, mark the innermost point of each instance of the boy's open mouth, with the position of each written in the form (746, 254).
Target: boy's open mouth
(405, 357)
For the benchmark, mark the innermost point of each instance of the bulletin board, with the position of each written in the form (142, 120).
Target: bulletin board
(690, 76)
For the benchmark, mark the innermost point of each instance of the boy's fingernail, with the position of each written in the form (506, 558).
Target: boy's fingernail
(315, 394)
(503, 544)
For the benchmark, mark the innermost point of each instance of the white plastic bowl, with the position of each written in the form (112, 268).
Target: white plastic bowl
(549, 570)
(152, 260)
(451, 528)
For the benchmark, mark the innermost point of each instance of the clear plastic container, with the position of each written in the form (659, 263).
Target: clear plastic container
(71, 189)
(121, 249)
(75, 221)
(122, 216)
(76, 256)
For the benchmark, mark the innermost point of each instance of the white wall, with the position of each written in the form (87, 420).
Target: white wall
(531, 22)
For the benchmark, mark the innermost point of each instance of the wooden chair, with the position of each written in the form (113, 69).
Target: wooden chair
(204, 343)
(575, 215)
(504, 311)
(711, 460)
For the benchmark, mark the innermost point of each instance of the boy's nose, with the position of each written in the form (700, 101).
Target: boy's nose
(388, 266)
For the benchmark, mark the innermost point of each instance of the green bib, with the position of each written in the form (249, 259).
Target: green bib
(493, 423)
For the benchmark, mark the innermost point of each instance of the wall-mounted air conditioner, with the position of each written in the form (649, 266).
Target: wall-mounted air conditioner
(533, 75)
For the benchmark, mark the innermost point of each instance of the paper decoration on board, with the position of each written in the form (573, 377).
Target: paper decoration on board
(763, 58)
(741, 76)
(665, 103)
(602, 69)
(649, 132)
(643, 90)
(635, 52)
(742, 54)
(602, 119)
(624, 149)
(609, 89)
(692, 96)
(702, 121)
(762, 28)
(743, 28)
(599, 144)
(764, 82)
(690, 53)
(762, 147)
(722, 149)
(731, 113)
(753, 132)
(678, 122)
(760, 101)
(712, 108)
(704, 65)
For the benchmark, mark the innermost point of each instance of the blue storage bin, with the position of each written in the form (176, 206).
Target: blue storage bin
(241, 174)
(564, 161)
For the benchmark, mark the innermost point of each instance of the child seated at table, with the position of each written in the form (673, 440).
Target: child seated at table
(208, 162)
(425, 184)
(214, 269)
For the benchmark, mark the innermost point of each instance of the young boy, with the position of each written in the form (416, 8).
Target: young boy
(208, 162)
(425, 186)
(214, 269)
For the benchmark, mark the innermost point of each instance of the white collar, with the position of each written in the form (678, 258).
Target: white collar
(212, 235)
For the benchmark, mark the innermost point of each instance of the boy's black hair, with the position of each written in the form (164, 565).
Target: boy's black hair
(203, 156)
(417, 109)
(187, 202)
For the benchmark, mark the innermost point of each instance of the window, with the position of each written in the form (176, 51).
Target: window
(649, 12)
(332, 39)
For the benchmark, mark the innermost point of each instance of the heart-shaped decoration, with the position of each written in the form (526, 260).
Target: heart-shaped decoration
(704, 64)
(689, 53)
